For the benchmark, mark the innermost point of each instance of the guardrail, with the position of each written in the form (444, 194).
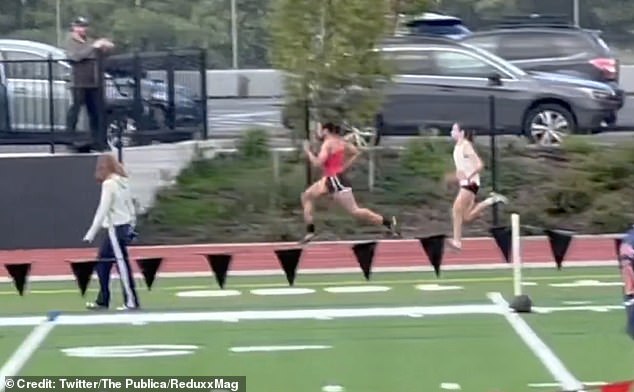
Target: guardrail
(264, 83)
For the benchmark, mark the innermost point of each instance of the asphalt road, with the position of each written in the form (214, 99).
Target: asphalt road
(228, 118)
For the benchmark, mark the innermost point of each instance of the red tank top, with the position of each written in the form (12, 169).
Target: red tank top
(334, 163)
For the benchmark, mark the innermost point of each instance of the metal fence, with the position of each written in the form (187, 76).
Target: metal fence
(141, 98)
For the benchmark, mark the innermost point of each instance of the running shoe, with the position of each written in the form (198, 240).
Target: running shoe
(307, 238)
(124, 307)
(95, 306)
(454, 245)
(497, 198)
(394, 227)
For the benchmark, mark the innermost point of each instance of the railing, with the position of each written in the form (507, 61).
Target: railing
(141, 98)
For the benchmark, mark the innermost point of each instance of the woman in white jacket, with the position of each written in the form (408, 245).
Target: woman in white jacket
(115, 214)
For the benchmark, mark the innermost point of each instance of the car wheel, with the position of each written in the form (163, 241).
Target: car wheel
(548, 125)
(113, 134)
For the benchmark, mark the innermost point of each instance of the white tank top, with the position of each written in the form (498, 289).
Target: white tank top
(465, 163)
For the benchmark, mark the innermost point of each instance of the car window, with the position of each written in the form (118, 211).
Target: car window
(527, 46)
(601, 42)
(439, 29)
(411, 62)
(464, 65)
(26, 65)
(571, 44)
(522, 46)
(489, 42)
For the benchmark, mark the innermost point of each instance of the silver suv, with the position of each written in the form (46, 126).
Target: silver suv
(440, 81)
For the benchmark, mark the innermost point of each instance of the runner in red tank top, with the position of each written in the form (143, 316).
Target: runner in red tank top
(332, 160)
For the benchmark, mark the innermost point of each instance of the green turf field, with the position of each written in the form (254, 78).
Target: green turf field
(414, 332)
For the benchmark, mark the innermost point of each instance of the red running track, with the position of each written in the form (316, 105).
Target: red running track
(257, 256)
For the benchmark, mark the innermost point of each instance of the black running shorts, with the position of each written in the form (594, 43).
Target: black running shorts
(336, 184)
(472, 187)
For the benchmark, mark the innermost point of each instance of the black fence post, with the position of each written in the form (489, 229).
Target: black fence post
(494, 81)
(171, 110)
(306, 110)
(138, 98)
(203, 92)
(102, 130)
(51, 102)
(494, 181)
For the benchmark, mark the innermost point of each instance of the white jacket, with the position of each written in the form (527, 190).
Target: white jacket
(115, 207)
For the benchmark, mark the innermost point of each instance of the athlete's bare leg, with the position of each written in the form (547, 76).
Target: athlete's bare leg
(464, 200)
(347, 200)
(474, 212)
(465, 211)
(308, 198)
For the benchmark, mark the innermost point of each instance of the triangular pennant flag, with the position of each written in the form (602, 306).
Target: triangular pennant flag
(289, 259)
(83, 271)
(625, 386)
(18, 273)
(559, 244)
(364, 253)
(149, 267)
(502, 236)
(219, 264)
(617, 247)
(434, 247)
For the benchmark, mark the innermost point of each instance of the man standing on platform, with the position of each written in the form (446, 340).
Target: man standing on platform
(82, 51)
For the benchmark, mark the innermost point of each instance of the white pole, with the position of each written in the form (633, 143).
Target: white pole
(58, 22)
(371, 170)
(234, 33)
(575, 12)
(517, 259)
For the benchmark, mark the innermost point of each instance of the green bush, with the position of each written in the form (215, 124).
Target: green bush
(572, 192)
(423, 157)
(254, 144)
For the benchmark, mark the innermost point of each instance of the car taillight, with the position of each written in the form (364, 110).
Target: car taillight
(609, 67)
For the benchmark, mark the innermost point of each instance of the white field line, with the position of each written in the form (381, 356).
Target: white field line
(545, 355)
(555, 385)
(258, 315)
(330, 271)
(133, 317)
(19, 358)
(589, 308)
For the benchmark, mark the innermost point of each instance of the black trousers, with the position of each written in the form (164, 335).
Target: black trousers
(88, 97)
(115, 247)
(629, 311)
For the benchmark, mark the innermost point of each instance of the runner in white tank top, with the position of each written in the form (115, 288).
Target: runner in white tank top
(466, 163)
(468, 166)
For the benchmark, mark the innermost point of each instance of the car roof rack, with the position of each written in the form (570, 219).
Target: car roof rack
(414, 39)
(533, 20)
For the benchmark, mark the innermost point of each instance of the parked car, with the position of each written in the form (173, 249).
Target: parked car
(437, 24)
(26, 98)
(441, 81)
(551, 47)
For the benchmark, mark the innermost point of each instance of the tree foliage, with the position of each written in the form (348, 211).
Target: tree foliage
(150, 25)
(328, 47)
(160, 24)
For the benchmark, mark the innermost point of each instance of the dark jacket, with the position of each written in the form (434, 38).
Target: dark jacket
(84, 61)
